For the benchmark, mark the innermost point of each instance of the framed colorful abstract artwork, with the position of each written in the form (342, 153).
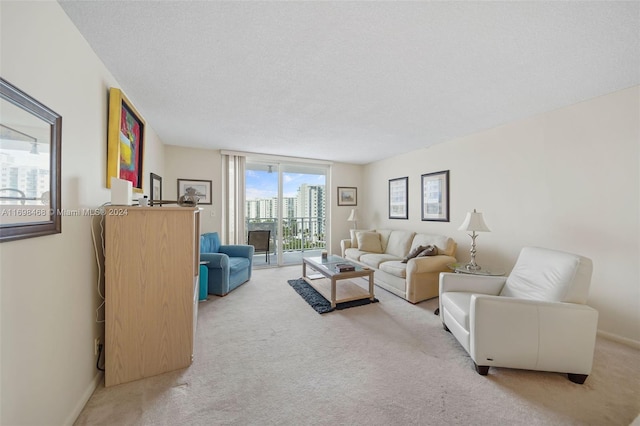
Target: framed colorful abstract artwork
(125, 150)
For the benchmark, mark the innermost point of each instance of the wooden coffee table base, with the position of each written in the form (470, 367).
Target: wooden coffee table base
(345, 291)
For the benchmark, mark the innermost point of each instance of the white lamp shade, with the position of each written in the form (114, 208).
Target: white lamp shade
(474, 222)
(353, 217)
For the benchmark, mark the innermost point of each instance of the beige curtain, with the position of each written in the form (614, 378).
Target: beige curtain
(234, 199)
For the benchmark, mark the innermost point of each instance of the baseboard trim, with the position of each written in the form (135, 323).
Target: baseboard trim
(97, 379)
(619, 339)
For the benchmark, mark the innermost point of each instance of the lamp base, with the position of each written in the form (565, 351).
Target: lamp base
(472, 267)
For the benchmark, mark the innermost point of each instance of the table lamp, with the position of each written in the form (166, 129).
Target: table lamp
(474, 223)
(353, 217)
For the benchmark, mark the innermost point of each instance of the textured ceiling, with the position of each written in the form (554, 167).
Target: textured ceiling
(355, 81)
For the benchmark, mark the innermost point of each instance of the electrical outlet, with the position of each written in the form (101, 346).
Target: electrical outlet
(96, 345)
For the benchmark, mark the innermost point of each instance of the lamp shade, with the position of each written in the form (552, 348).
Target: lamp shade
(474, 222)
(353, 217)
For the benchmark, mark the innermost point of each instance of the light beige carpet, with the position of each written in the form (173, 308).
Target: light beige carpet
(263, 356)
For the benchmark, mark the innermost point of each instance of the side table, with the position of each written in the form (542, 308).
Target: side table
(204, 281)
(460, 268)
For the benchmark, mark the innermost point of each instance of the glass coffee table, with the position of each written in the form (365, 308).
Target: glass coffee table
(327, 277)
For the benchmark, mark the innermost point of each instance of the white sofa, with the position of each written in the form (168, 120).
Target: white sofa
(417, 279)
(534, 319)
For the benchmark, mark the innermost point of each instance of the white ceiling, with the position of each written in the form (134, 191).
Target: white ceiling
(355, 81)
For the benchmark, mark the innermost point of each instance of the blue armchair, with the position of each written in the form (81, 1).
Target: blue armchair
(228, 265)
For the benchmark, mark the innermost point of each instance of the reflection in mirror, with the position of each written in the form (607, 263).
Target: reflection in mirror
(29, 166)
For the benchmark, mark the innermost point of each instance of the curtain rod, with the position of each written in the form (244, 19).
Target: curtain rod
(275, 157)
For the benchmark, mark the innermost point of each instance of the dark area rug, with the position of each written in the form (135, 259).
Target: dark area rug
(318, 302)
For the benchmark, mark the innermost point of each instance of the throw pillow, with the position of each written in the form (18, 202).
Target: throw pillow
(354, 239)
(369, 241)
(429, 251)
(413, 253)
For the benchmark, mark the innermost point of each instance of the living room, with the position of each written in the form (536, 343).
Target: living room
(566, 178)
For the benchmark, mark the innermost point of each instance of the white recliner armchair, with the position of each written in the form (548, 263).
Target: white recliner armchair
(534, 319)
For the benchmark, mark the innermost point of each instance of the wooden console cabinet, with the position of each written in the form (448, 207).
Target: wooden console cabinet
(152, 259)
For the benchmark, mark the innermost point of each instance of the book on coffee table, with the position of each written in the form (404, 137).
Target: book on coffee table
(344, 267)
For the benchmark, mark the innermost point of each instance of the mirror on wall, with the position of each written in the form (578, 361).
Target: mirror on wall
(30, 144)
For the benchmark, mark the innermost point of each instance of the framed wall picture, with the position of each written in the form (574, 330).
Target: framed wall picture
(202, 189)
(399, 198)
(347, 196)
(435, 196)
(125, 144)
(156, 189)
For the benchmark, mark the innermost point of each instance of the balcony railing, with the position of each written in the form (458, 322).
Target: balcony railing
(298, 233)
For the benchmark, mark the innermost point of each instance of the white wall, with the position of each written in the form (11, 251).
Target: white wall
(48, 293)
(567, 179)
(348, 175)
(195, 163)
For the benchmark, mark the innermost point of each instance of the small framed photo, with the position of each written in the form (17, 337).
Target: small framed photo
(435, 196)
(399, 198)
(202, 189)
(347, 196)
(156, 189)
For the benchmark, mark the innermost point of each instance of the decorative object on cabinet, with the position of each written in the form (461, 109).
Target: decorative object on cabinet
(156, 188)
(126, 132)
(435, 196)
(399, 198)
(31, 138)
(229, 265)
(347, 196)
(152, 264)
(474, 223)
(197, 187)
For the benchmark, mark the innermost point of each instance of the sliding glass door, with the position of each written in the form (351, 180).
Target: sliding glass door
(288, 200)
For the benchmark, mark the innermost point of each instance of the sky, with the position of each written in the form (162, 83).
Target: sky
(265, 185)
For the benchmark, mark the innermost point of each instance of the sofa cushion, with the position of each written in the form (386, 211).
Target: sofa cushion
(399, 243)
(394, 267)
(375, 259)
(354, 239)
(384, 238)
(369, 241)
(353, 253)
(209, 242)
(238, 264)
(444, 244)
(413, 253)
